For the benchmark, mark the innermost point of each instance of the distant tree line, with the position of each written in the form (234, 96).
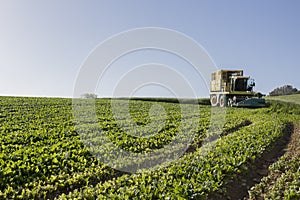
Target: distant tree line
(284, 90)
(89, 96)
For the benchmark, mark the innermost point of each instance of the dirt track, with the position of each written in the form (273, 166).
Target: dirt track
(239, 186)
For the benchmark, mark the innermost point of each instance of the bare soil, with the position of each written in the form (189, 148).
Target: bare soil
(238, 187)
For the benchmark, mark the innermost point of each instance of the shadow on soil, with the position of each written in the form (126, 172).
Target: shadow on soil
(193, 147)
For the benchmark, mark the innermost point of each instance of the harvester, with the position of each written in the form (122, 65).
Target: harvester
(232, 88)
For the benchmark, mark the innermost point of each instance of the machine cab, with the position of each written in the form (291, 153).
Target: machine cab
(242, 83)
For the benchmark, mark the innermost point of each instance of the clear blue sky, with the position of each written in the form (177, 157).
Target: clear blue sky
(44, 43)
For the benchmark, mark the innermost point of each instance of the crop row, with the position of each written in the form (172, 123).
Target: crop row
(40, 150)
(41, 153)
(198, 174)
(46, 152)
(283, 181)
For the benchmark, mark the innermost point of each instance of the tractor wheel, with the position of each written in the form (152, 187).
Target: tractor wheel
(223, 101)
(214, 100)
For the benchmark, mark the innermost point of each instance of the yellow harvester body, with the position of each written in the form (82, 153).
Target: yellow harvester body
(232, 88)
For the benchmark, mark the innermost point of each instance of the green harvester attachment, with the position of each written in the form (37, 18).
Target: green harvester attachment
(251, 103)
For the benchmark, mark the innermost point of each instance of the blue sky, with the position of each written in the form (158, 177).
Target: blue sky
(44, 43)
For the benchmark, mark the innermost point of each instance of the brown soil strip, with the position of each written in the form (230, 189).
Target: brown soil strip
(239, 186)
(292, 152)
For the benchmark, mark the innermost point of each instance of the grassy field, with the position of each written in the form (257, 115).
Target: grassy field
(295, 98)
(43, 154)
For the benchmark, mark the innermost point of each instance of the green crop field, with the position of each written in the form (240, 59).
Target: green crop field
(42, 156)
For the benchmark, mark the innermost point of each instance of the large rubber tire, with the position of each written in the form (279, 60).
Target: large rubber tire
(223, 101)
(214, 100)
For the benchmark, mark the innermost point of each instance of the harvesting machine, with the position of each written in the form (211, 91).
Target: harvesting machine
(232, 88)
